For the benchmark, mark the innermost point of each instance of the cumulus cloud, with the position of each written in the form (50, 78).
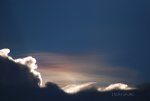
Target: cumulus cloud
(116, 86)
(30, 62)
(18, 71)
(75, 88)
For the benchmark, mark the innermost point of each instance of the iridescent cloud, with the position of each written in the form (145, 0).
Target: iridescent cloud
(66, 69)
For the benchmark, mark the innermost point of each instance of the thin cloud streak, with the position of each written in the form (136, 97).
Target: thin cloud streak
(75, 88)
(116, 86)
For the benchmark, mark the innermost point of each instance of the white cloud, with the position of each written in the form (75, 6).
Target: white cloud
(116, 86)
(4, 52)
(75, 88)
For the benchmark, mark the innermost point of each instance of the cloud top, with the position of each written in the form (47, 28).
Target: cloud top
(4, 52)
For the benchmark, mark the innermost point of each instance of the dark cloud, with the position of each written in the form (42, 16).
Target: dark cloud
(20, 82)
(19, 72)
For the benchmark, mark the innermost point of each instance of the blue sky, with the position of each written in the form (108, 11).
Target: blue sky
(118, 28)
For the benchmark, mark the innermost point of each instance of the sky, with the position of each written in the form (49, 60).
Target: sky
(101, 35)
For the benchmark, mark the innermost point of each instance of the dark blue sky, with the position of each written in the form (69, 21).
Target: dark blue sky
(118, 28)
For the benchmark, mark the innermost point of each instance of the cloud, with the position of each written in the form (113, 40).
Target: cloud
(18, 71)
(116, 86)
(28, 66)
(30, 62)
(75, 88)
(16, 74)
(4, 52)
(69, 68)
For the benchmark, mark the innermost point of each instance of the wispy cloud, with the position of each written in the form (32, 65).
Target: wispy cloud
(75, 88)
(116, 86)
(62, 68)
